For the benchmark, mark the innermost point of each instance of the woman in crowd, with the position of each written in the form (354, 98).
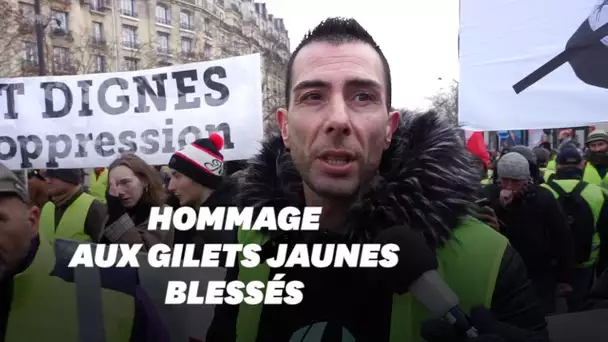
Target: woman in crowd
(134, 187)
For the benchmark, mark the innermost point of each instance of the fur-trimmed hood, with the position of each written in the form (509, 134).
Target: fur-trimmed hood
(426, 182)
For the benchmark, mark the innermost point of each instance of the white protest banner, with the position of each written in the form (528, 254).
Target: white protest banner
(86, 121)
(533, 64)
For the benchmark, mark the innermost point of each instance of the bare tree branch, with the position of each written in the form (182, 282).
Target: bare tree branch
(445, 102)
(14, 28)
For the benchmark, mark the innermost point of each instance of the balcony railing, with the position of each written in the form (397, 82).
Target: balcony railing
(186, 26)
(188, 54)
(64, 67)
(97, 6)
(128, 12)
(29, 64)
(163, 50)
(164, 21)
(98, 41)
(130, 44)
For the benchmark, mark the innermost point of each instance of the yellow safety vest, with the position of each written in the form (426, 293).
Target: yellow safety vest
(591, 176)
(552, 165)
(594, 197)
(475, 250)
(548, 174)
(45, 308)
(98, 186)
(71, 225)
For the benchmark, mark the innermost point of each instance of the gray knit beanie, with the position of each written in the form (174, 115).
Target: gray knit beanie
(513, 166)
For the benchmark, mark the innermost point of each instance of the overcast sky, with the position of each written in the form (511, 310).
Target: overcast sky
(419, 38)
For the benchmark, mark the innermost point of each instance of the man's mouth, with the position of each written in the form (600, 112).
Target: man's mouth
(337, 158)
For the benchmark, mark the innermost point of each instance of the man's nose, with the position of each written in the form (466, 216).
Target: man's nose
(171, 186)
(338, 120)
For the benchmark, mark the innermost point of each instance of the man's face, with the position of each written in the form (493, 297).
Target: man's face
(337, 125)
(515, 185)
(186, 190)
(598, 146)
(18, 227)
(57, 187)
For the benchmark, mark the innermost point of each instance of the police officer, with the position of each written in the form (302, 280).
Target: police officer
(71, 213)
(597, 159)
(35, 306)
(585, 206)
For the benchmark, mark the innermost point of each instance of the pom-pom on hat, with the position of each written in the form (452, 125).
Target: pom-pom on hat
(201, 161)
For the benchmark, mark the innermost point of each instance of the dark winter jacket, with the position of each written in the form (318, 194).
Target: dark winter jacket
(537, 228)
(224, 196)
(425, 183)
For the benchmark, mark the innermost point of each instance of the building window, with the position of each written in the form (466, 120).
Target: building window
(208, 32)
(186, 47)
(61, 58)
(97, 5)
(207, 51)
(162, 42)
(100, 63)
(60, 21)
(163, 14)
(131, 64)
(129, 37)
(186, 20)
(98, 33)
(30, 52)
(128, 8)
(27, 12)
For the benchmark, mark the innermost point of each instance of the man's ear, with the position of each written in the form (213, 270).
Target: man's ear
(283, 125)
(391, 127)
(33, 220)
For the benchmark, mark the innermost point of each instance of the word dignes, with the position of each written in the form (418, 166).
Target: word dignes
(274, 292)
(84, 121)
(183, 256)
(229, 218)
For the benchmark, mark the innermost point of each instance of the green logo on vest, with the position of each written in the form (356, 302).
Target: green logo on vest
(315, 333)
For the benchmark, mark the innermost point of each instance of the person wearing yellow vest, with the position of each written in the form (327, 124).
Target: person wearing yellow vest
(542, 159)
(343, 148)
(36, 305)
(587, 210)
(98, 183)
(596, 170)
(71, 213)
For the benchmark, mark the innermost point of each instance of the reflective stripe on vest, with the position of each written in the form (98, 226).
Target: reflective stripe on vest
(99, 185)
(593, 177)
(475, 250)
(46, 308)
(594, 198)
(548, 174)
(71, 225)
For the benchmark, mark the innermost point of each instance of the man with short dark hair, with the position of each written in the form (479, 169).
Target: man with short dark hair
(342, 148)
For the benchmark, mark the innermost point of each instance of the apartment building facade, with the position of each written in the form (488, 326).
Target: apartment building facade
(94, 36)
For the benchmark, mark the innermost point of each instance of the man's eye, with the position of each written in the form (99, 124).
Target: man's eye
(311, 96)
(364, 97)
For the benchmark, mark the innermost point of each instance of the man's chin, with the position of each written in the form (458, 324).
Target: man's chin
(335, 188)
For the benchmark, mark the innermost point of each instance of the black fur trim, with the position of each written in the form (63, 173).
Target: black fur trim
(427, 182)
